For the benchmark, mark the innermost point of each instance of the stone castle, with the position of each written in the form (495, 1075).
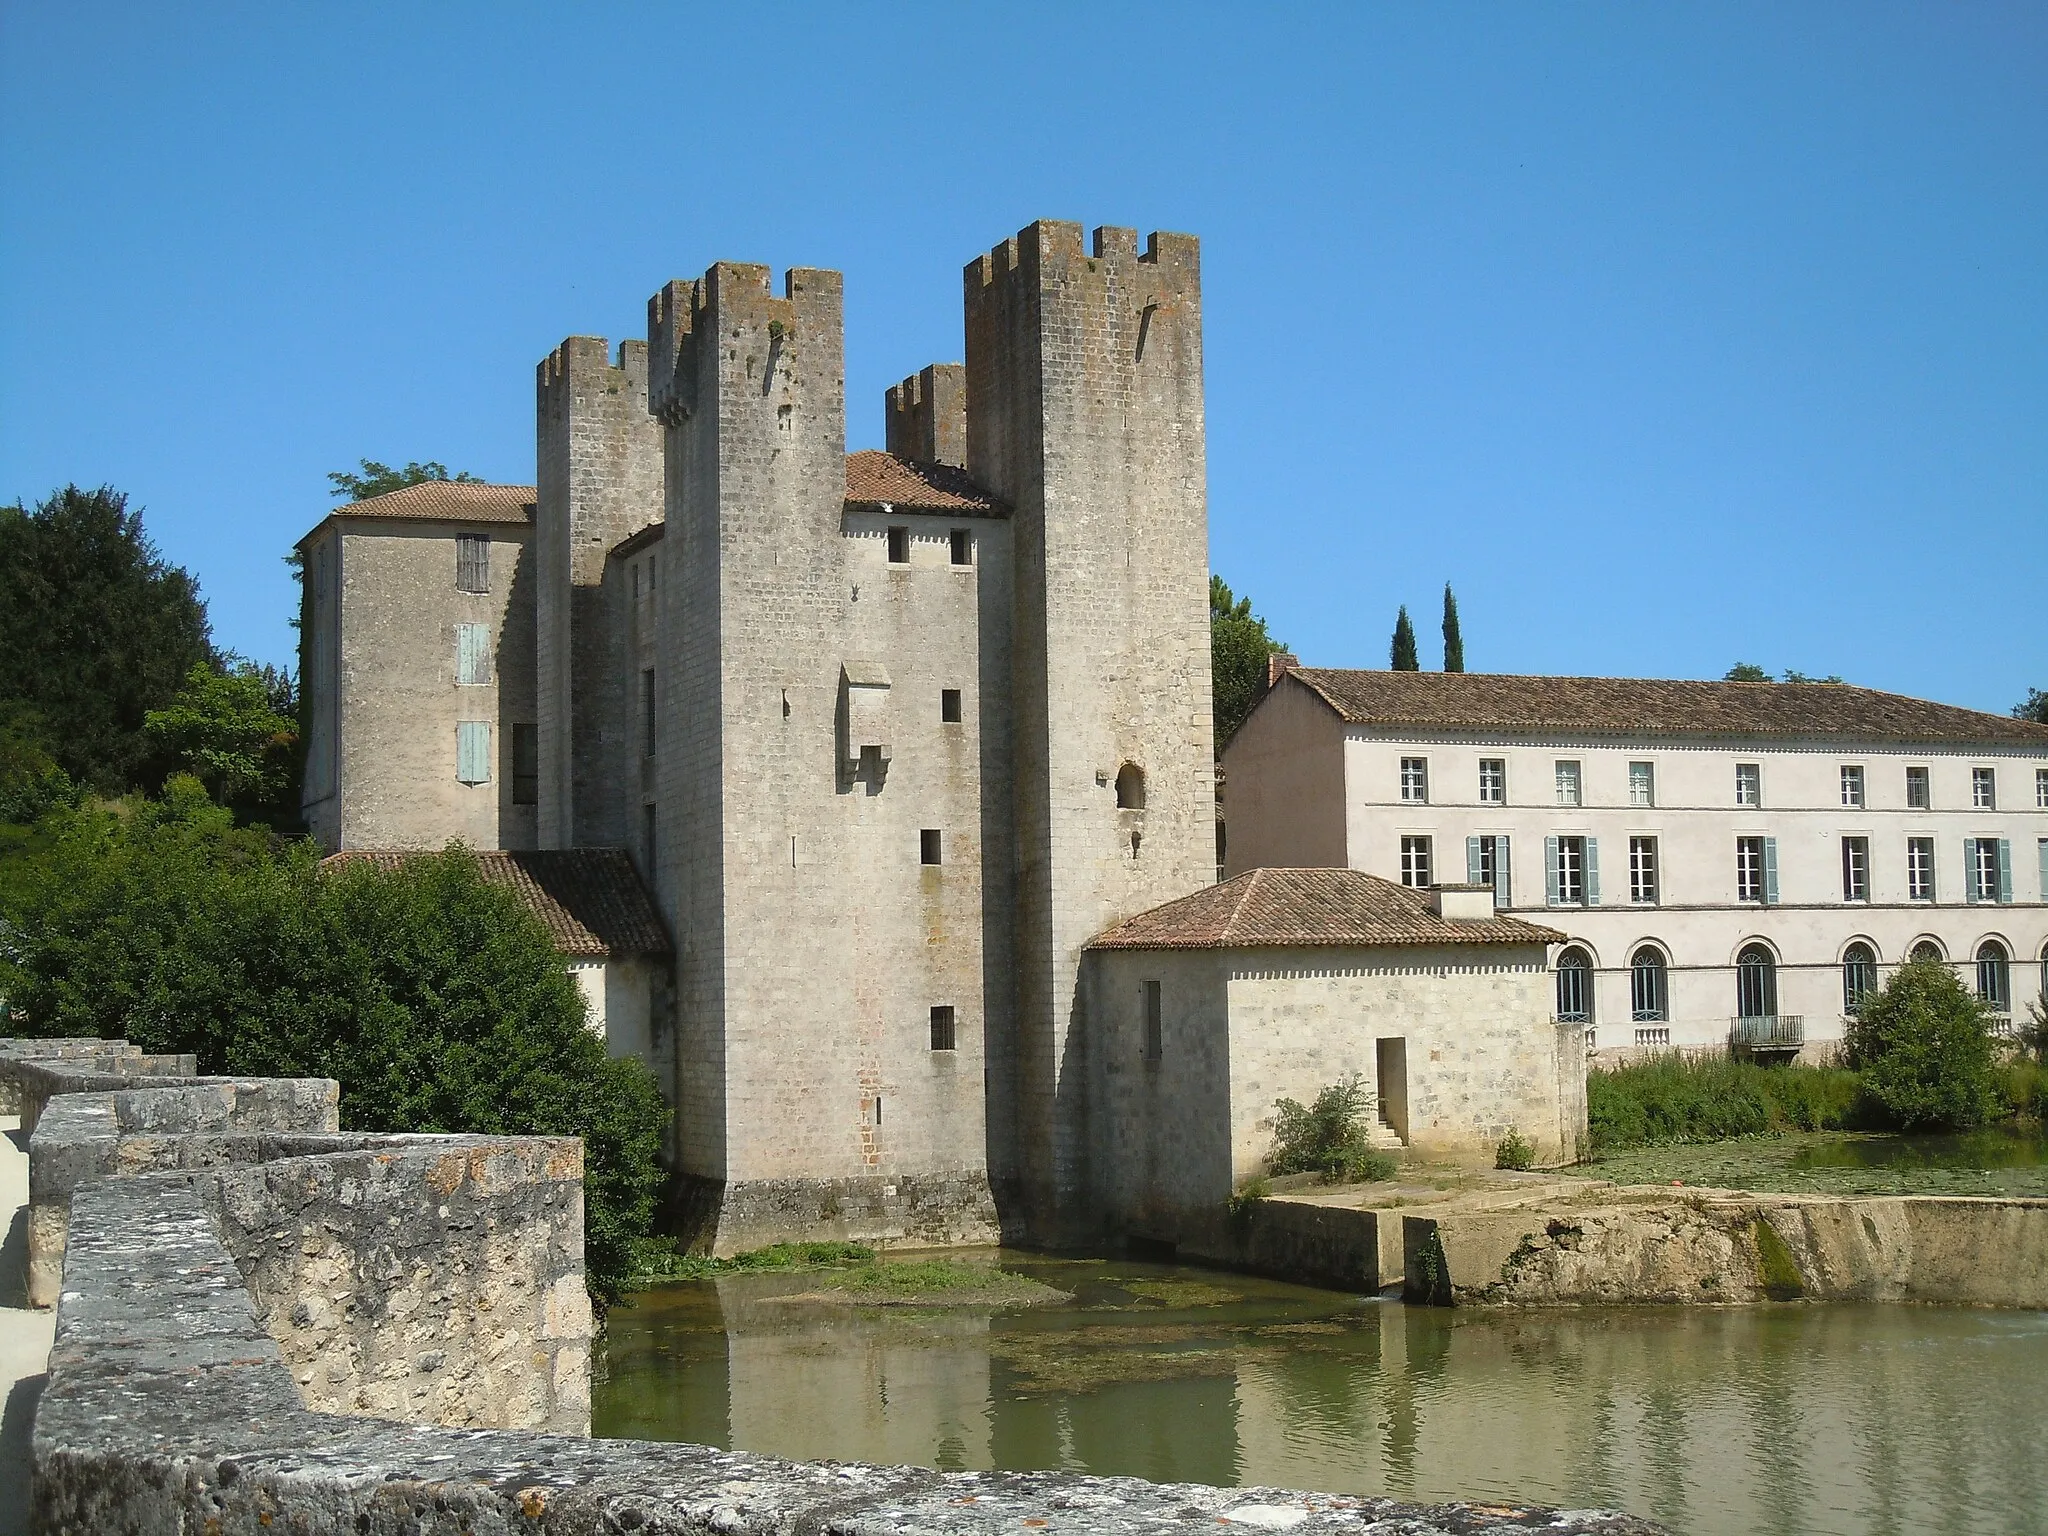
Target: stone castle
(889, 736)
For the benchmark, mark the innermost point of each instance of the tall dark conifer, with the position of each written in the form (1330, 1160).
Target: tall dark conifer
(1404, 658)
(1454, 642)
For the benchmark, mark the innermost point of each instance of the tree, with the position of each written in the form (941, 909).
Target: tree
(1924, 1047)
(1403, 658)
(1454, 640)
(1746, 672)
(437, 1000)
(96, 630)
(1238, 650)
(377, 479)
(2034, 707)
(233, 729)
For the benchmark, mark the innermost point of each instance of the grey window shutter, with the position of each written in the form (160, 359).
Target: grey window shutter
(1473, 873)
(2005, 870)
(1970, 870)
(1592, 871)
(1770, 871)
(473, 752)
(2042, 849)
(1550, 871)
(1504, 883)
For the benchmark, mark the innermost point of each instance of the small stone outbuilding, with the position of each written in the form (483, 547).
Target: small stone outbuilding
(1204, 1012)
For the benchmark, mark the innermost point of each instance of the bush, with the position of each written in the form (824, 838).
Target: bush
(1328, 1137)
(1516, 1152)
(436, 1000)
(1924, 1047)
(1692, 1098)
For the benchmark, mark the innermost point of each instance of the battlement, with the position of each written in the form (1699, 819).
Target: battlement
(925, 417)
(1057, 243)
(734, 296)
(587, 362)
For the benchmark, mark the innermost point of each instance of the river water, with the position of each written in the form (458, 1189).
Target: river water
(1769, 1419)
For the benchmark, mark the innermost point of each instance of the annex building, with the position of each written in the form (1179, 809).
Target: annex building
(1735, 864)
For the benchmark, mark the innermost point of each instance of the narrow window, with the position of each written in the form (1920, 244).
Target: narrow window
(949, 706)
(636, 584)
(647, 712)
(942, 1027)
(526, 765)
(1994, 976)
(1918, 797)
(1130, 788)
(1575, 987)
(1648, 986)
(1489, 866)
(1642, 871)
(1920, 869)
(928, 846)
(963, 547)
(472, 563)
(1855, 869)
(1756, 983)
(1570, 872)
(1859, 976)
(1749, 869)
(899, 546)
(1852, 785)
(1642, 784)
(878, 1109)
(473, 751)
(1493, 781)
(1567, 782)
(1415, 780)
(647, 847)
(1984, 788)
(2041, 795)
(1415, 862)
(472, 654)
(1982, 854)
(1155, 1026)
(1749, 784)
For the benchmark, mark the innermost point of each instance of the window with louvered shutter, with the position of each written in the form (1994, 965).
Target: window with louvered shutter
(472, 563)
(473, 751)
(472, 654)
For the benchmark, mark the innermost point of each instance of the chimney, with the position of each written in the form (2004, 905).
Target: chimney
(1461, 903)
(1279, 662)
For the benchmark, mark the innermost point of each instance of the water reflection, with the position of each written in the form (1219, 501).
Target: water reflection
(1774, 1419)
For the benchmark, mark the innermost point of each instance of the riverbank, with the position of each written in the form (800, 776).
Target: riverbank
(2005, 1162)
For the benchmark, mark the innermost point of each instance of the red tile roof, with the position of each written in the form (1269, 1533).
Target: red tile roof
(590, 899)
(1630, 706)
(449, 501)
(877, 479)
(1303, 908)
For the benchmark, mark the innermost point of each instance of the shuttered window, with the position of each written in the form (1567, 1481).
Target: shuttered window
(1572, 878)
(472, 653)
(1486, 863)
(472, 563)
(473, 751)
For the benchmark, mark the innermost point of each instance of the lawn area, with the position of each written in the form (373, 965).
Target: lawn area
(1997, 1161)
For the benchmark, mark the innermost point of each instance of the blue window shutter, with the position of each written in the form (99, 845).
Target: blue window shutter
(1550, 871)
(1504, 880)
(1970, 870)
(2005, 870)
(2042, 849)
(472, 653)
(1770, 871)
(1473, 872)
(1592, 871)
(473, 751)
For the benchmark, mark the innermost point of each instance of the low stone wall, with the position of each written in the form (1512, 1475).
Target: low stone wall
(222, 1290)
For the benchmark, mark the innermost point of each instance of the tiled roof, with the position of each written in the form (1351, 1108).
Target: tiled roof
(449, 501)
(1273, 908)
(1630, 706)
(590, 899)
(875, 479)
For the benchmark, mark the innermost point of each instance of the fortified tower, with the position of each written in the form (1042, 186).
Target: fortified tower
(927, 416)
(1085, 414)
(598, 474)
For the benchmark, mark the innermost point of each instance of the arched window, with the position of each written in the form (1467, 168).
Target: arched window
(1859, 976)
(1648, 988)
(1756, 983)
(1130, 788)
(1575, 987)
(1994, 976)
(1927, 949)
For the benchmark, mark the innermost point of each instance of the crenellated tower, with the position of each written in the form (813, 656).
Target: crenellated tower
(927, 416)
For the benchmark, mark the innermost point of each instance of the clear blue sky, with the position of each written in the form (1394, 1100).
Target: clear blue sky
(1672, 335)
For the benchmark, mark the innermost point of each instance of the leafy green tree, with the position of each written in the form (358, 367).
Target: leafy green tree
(1924, 1047)
(1238, 650)
(2034, 707)
(1454, 639)
(1793, 675)
(1328, 1136)
(434, 998)
(1746, 672)
(96, 630)
(378, 479)
(31, 783)
(1403, 658)
(226, 728)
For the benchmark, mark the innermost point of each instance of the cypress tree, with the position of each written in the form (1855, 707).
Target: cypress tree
(1404, 658)
(1454, 642)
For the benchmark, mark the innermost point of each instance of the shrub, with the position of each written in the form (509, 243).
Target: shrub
(1691, 1098)
(1516, 1152)
(1924, 1047)
(1328, 1137)
(437, 1001)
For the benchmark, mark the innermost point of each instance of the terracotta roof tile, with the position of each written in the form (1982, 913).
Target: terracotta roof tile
(1630, 706)
(590, 899)
(875, 479)
(449, 501)
(1305, 908)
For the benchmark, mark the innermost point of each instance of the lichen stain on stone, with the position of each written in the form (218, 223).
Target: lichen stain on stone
(1776, 1270)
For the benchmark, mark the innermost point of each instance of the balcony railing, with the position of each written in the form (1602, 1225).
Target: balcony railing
(1768, 1031)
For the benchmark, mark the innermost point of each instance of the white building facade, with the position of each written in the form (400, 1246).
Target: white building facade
(1735, 863)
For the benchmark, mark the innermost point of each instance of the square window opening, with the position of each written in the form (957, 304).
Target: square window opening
(949, 706)
(1918, 797)
(963, 547)
(929, 846)
(899, 546)
(942, 1027)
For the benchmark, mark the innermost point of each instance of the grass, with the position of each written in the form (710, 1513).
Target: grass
(1834, 1163)
(657, 1260)
(1676, 1099)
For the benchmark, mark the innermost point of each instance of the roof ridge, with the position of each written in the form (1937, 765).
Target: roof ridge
(1237, 907)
